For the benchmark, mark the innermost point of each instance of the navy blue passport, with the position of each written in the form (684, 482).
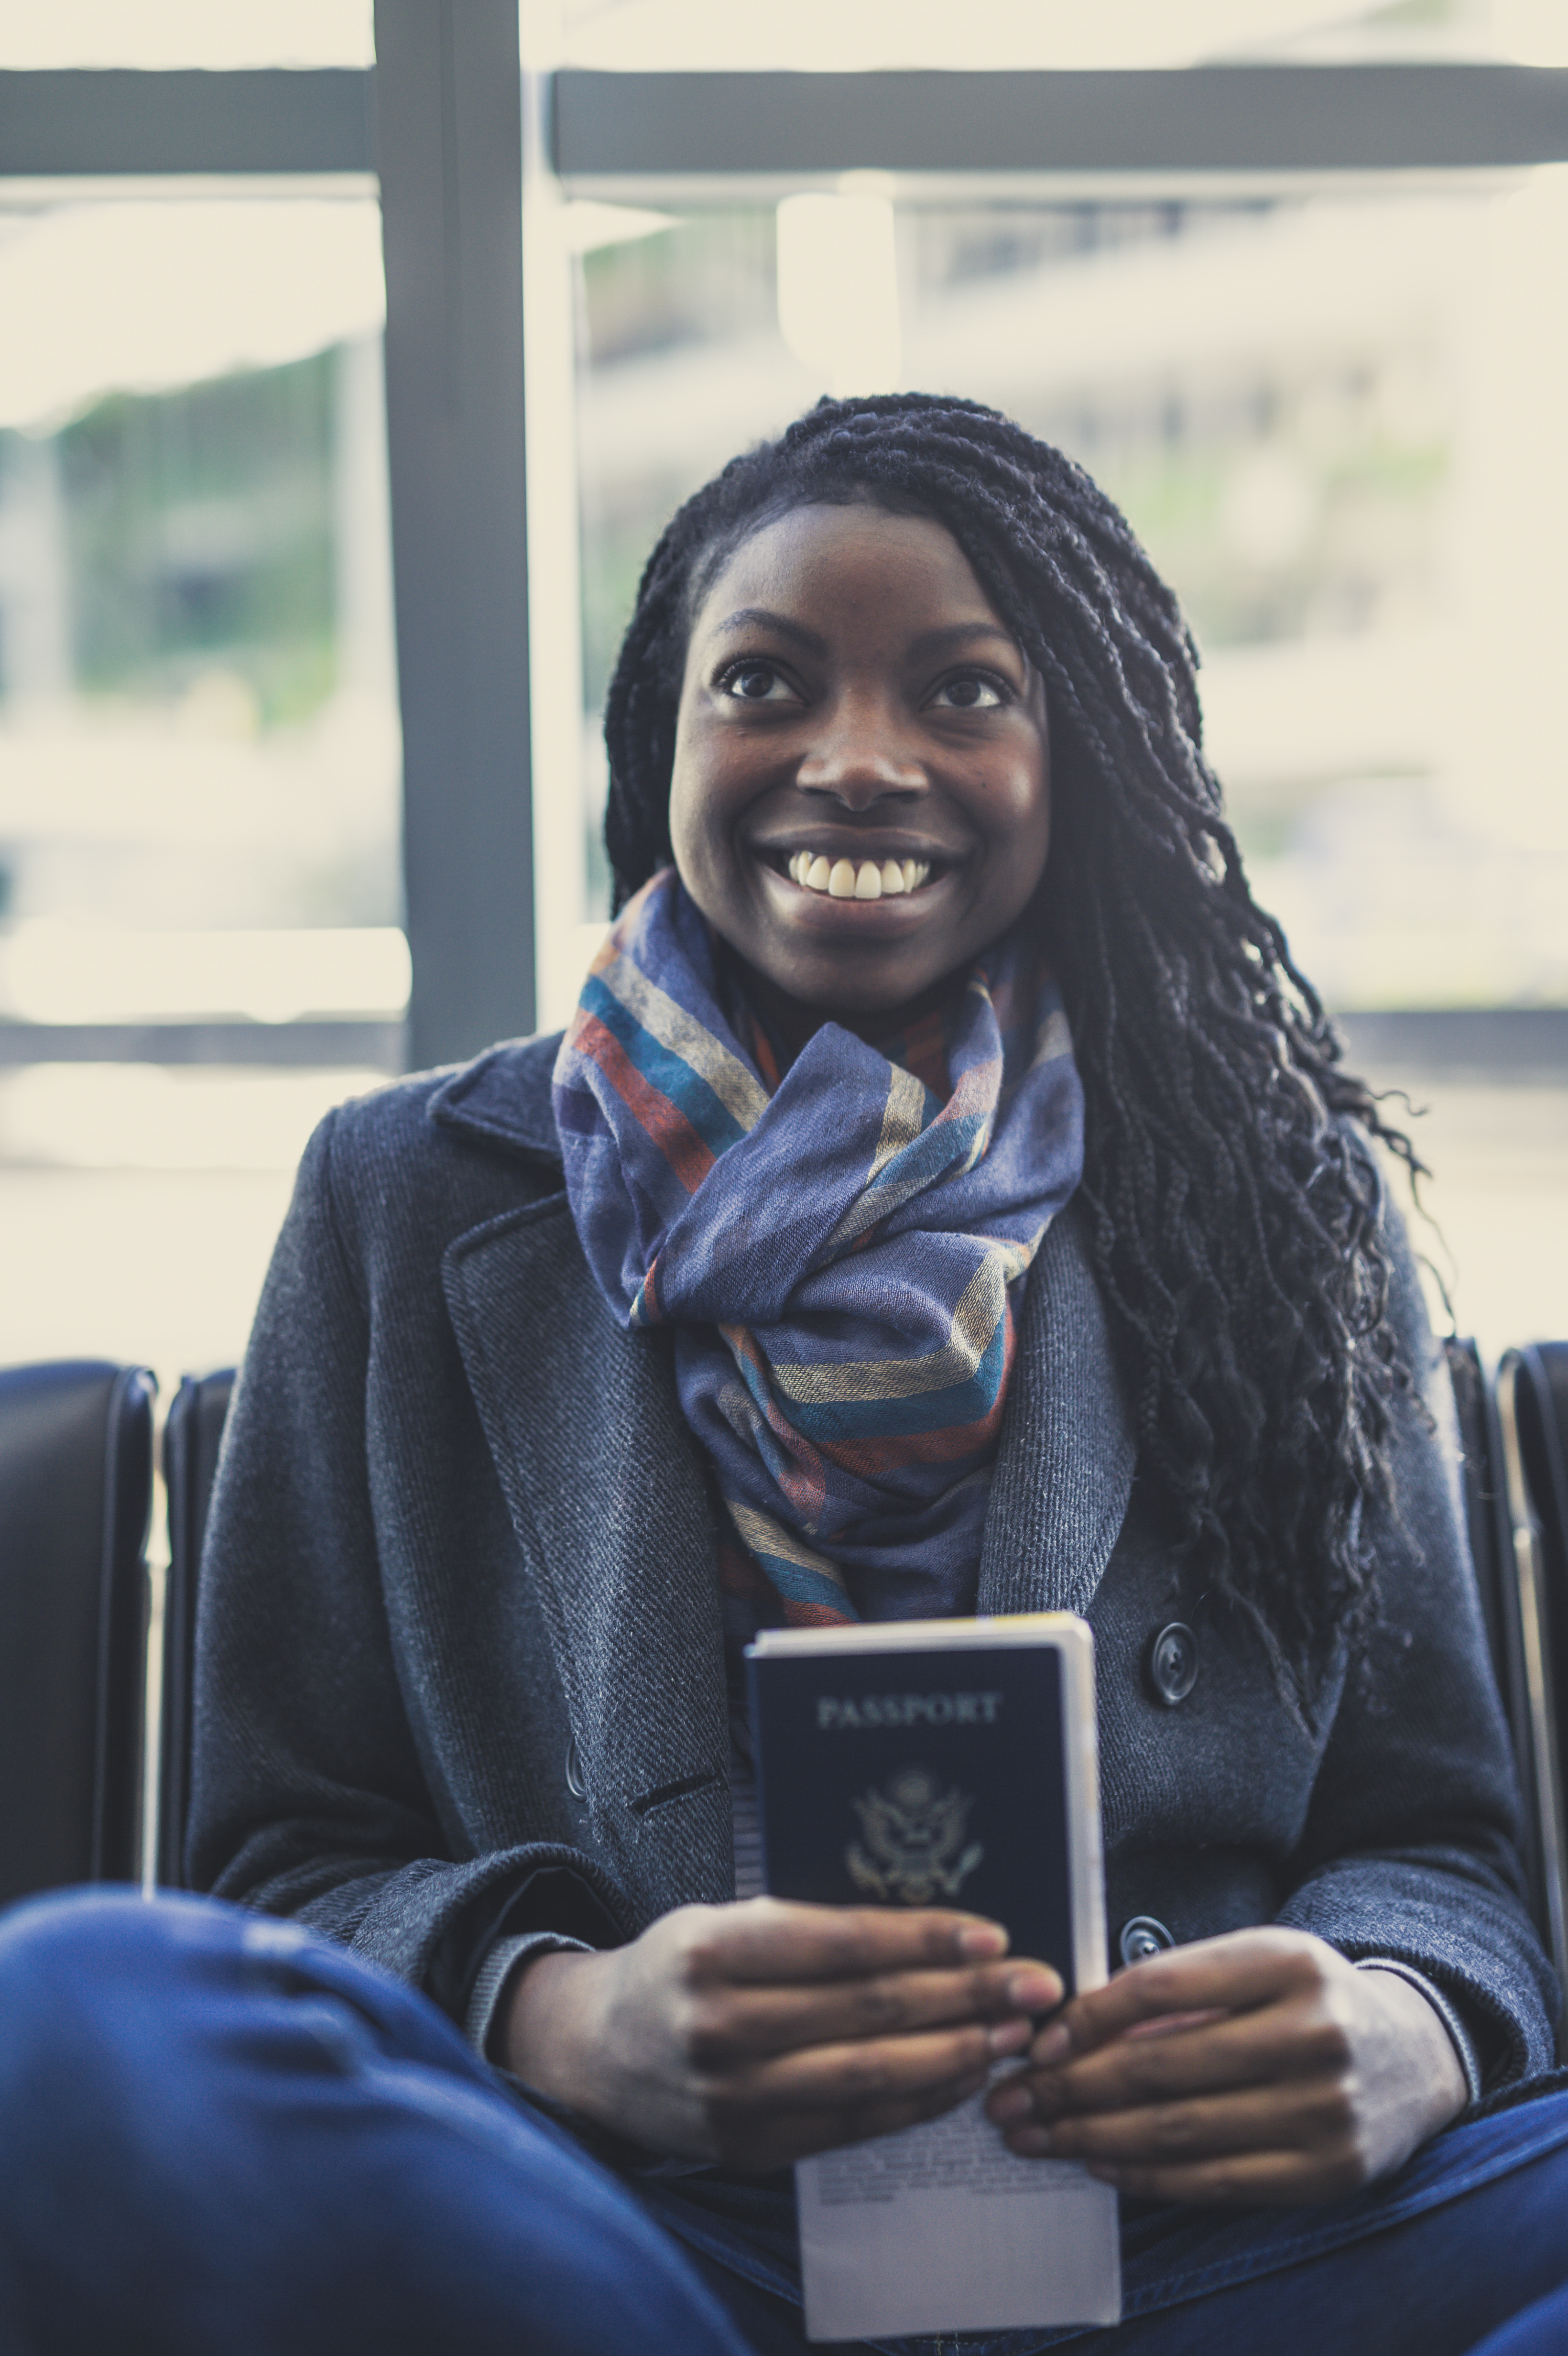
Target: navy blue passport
(939, 1762)
(943, 1762)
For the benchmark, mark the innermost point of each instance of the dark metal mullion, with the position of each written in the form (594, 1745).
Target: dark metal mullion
(449, 138)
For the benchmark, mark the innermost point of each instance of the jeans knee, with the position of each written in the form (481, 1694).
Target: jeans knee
(76, 1967)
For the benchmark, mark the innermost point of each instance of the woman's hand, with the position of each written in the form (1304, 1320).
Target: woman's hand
(761, 2032)
(1256, 2067)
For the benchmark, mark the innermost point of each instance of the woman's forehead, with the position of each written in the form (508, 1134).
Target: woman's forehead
(845, 558)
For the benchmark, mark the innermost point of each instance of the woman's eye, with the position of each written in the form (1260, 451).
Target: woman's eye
(755, 682)
(970, 691)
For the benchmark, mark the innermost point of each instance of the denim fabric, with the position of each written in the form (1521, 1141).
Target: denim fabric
(1471, 2231)
(220, 2137)
(219, 2134)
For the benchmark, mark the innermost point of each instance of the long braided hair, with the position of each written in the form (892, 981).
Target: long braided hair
(1231, 1205)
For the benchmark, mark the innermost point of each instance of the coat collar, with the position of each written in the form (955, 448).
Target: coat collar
(503, 1099)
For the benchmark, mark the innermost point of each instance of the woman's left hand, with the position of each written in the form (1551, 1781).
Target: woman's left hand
(1256, 2067)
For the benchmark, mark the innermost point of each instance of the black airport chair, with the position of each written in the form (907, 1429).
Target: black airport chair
(1532, 1425)
(1481, 1460)
(192, 1437)
(76, 1487)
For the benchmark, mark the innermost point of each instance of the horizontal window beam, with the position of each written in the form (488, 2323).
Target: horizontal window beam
(1496, 1046)
(616, 128)
(1487, 1046)
(611, 129)
(83, 123)
(317, 1045)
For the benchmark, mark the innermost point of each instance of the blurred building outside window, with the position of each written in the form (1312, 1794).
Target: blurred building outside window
(664, 35)
(1333, 421)
(162, 34)
(198, 745)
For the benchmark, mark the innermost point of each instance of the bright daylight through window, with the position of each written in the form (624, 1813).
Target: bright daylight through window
(1330, 403)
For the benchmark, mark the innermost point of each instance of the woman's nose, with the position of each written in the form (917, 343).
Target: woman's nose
(858, 755)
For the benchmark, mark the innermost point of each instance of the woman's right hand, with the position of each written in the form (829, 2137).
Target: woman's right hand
(759, 2032)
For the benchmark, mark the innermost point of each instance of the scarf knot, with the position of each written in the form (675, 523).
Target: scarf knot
(836, 1254)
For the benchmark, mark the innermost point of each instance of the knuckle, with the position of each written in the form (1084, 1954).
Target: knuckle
(880, 2003)
(1148, 2068)
(1331, 2112)
(1331, 2044)
(1174, 2127)
(865, 2073)
(696, 1937)
(708, 2034)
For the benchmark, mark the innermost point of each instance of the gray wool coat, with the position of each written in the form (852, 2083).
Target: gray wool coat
(460, 1670)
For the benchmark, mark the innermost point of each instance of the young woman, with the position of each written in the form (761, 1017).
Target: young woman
(945, 1199)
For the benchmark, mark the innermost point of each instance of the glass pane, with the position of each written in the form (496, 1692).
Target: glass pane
(819, 35)
(167, 33)
(1334, 418)
(199, 749)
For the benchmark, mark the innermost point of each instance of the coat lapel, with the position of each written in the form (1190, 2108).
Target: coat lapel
(607, 1492)
(1064, 1465)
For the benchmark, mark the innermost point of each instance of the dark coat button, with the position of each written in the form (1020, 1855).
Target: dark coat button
(574, 1783)
(1142, 1937)
(1173, 1662)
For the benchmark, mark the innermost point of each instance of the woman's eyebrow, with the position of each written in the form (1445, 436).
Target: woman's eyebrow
(929, 642)
(753, 617)
(951, 633)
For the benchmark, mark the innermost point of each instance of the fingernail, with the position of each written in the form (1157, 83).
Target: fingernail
(1054, 2044)
(1034, 1991)
(982, 1939)
(1030, 2143)
(1008, 2036)
(1010, 2102)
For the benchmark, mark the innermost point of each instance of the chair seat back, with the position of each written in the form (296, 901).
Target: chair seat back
(192, 1438)
(76, 1482)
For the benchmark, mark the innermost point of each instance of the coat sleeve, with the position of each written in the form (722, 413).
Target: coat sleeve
(308, 1797)
(1410, 1848)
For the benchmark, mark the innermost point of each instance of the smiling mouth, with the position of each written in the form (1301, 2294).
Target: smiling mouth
(853, 879)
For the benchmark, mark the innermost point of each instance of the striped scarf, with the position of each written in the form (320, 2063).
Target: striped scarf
(835, 1249)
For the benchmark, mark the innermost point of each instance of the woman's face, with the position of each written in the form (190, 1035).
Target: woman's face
(860, 800)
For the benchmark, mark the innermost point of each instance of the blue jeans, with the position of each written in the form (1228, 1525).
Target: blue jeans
(220, 2137)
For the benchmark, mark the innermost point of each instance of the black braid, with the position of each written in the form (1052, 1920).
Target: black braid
(1231, 1203)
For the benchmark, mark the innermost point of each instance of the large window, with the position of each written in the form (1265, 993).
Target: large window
(200, 889)
(1328, 391)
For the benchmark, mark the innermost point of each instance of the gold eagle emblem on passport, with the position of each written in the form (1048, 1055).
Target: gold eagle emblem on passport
(912, 1850)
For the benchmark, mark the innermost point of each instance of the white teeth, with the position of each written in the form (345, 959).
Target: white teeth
(844, 879)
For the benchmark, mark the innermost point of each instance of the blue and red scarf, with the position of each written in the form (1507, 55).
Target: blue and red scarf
(836, 1249)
